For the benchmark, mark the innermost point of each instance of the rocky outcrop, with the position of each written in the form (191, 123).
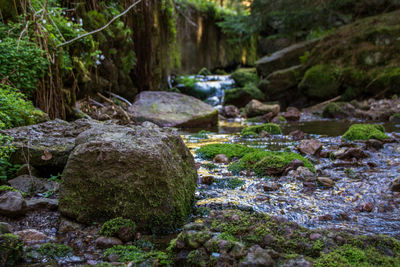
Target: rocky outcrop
(285, 58)
(147, 175)
(45, 146)
(169, 109)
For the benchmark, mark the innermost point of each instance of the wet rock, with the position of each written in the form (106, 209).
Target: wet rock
(230, 111)
(221, 158)
(12, 204)
(32, 185)
(291, 114)
(395, 186)
(368, 207)
(297, 262)
(326, 217)
(310, 147)
(297, 135)
(168, 109)
(47, 145)
(315, 236)
(238, 251)
(32, 236)
(257, 257)
(11, 251)
(268, 187)
(66, 226)
(41, 204)
(374, 144)
(325, 181)
(5, 228)
(349, 153)
(207, 180)
(266, 117)
(152, 171)
(107, 242)
(284, 58)
(303, 174)
(256, 108)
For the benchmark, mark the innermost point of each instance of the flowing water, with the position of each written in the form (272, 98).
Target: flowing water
(356, 182)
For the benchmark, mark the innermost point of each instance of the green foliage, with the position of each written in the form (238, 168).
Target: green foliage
(111, 227)
(22, 64)
(230, 150)
(321, 81)
(138, 257)
(244, 76)
(54, 251)
(14, 109)
(253, 131)
(261, 162)
(365, 132)
(6, 188)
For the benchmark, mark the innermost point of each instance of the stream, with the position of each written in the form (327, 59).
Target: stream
(356, 182)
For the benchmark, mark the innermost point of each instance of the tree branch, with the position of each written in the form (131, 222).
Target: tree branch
(102, 28)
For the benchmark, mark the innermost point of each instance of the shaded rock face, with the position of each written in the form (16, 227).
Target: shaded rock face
(45, 146)
(147, 175)
(284, 58)
(168, 109)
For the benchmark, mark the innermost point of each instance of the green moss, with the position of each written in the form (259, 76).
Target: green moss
(11, 250)
(50, 251)
(10, 189)
(204, 72)
(267, 162)
(229, 183)
(245, 76)
(230, 150)
(210, 166)
(203, 134)
(138, 257)
(321, 81)
(332, 110)
(253, 131)
(241, 96)
(197, 258)
(365, 132)
(111, 227)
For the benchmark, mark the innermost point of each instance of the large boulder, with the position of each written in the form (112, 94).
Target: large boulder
(144, 174)
(285, 58)
(45, 146)
(169, 109)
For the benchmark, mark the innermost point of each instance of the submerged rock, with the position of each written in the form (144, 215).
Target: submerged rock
(169, 109)
(146, 175)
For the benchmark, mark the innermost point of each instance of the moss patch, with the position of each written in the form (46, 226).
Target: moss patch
(265, 163)
(332, 110)
(11, 250)
(111, 227)
(321, 81)
(230, 150)
(245, 76)
(138, 257)
(241, 96)
(365, 132)
(254, 131)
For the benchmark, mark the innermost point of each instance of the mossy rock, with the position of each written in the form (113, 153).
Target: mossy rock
(204, 72)
(365, 132)
(239, 97)
(245, 76)
(333, 110)
(146, 175)
(138, 257)
(254, 131)
(112, 227)
(321, 82)
(11, 250)
(230, 150)
(266, 163)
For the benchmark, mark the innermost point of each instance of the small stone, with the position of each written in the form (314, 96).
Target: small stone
(267, 187)
(326, 217)
(315, 236)
(325, 181)
(66, 226)
(32, 236)
(293, 165)
(230, 111)
(107, 242)
(221, 158)
(207, 180)
(42, 204)
(297, 135)
(374, 144)
(257, 257)
(349, 153)
(303, 173)
(368, 207)
(5, 228)
(125, 234)
(310, 147)
(291, 114)
(12, 204)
